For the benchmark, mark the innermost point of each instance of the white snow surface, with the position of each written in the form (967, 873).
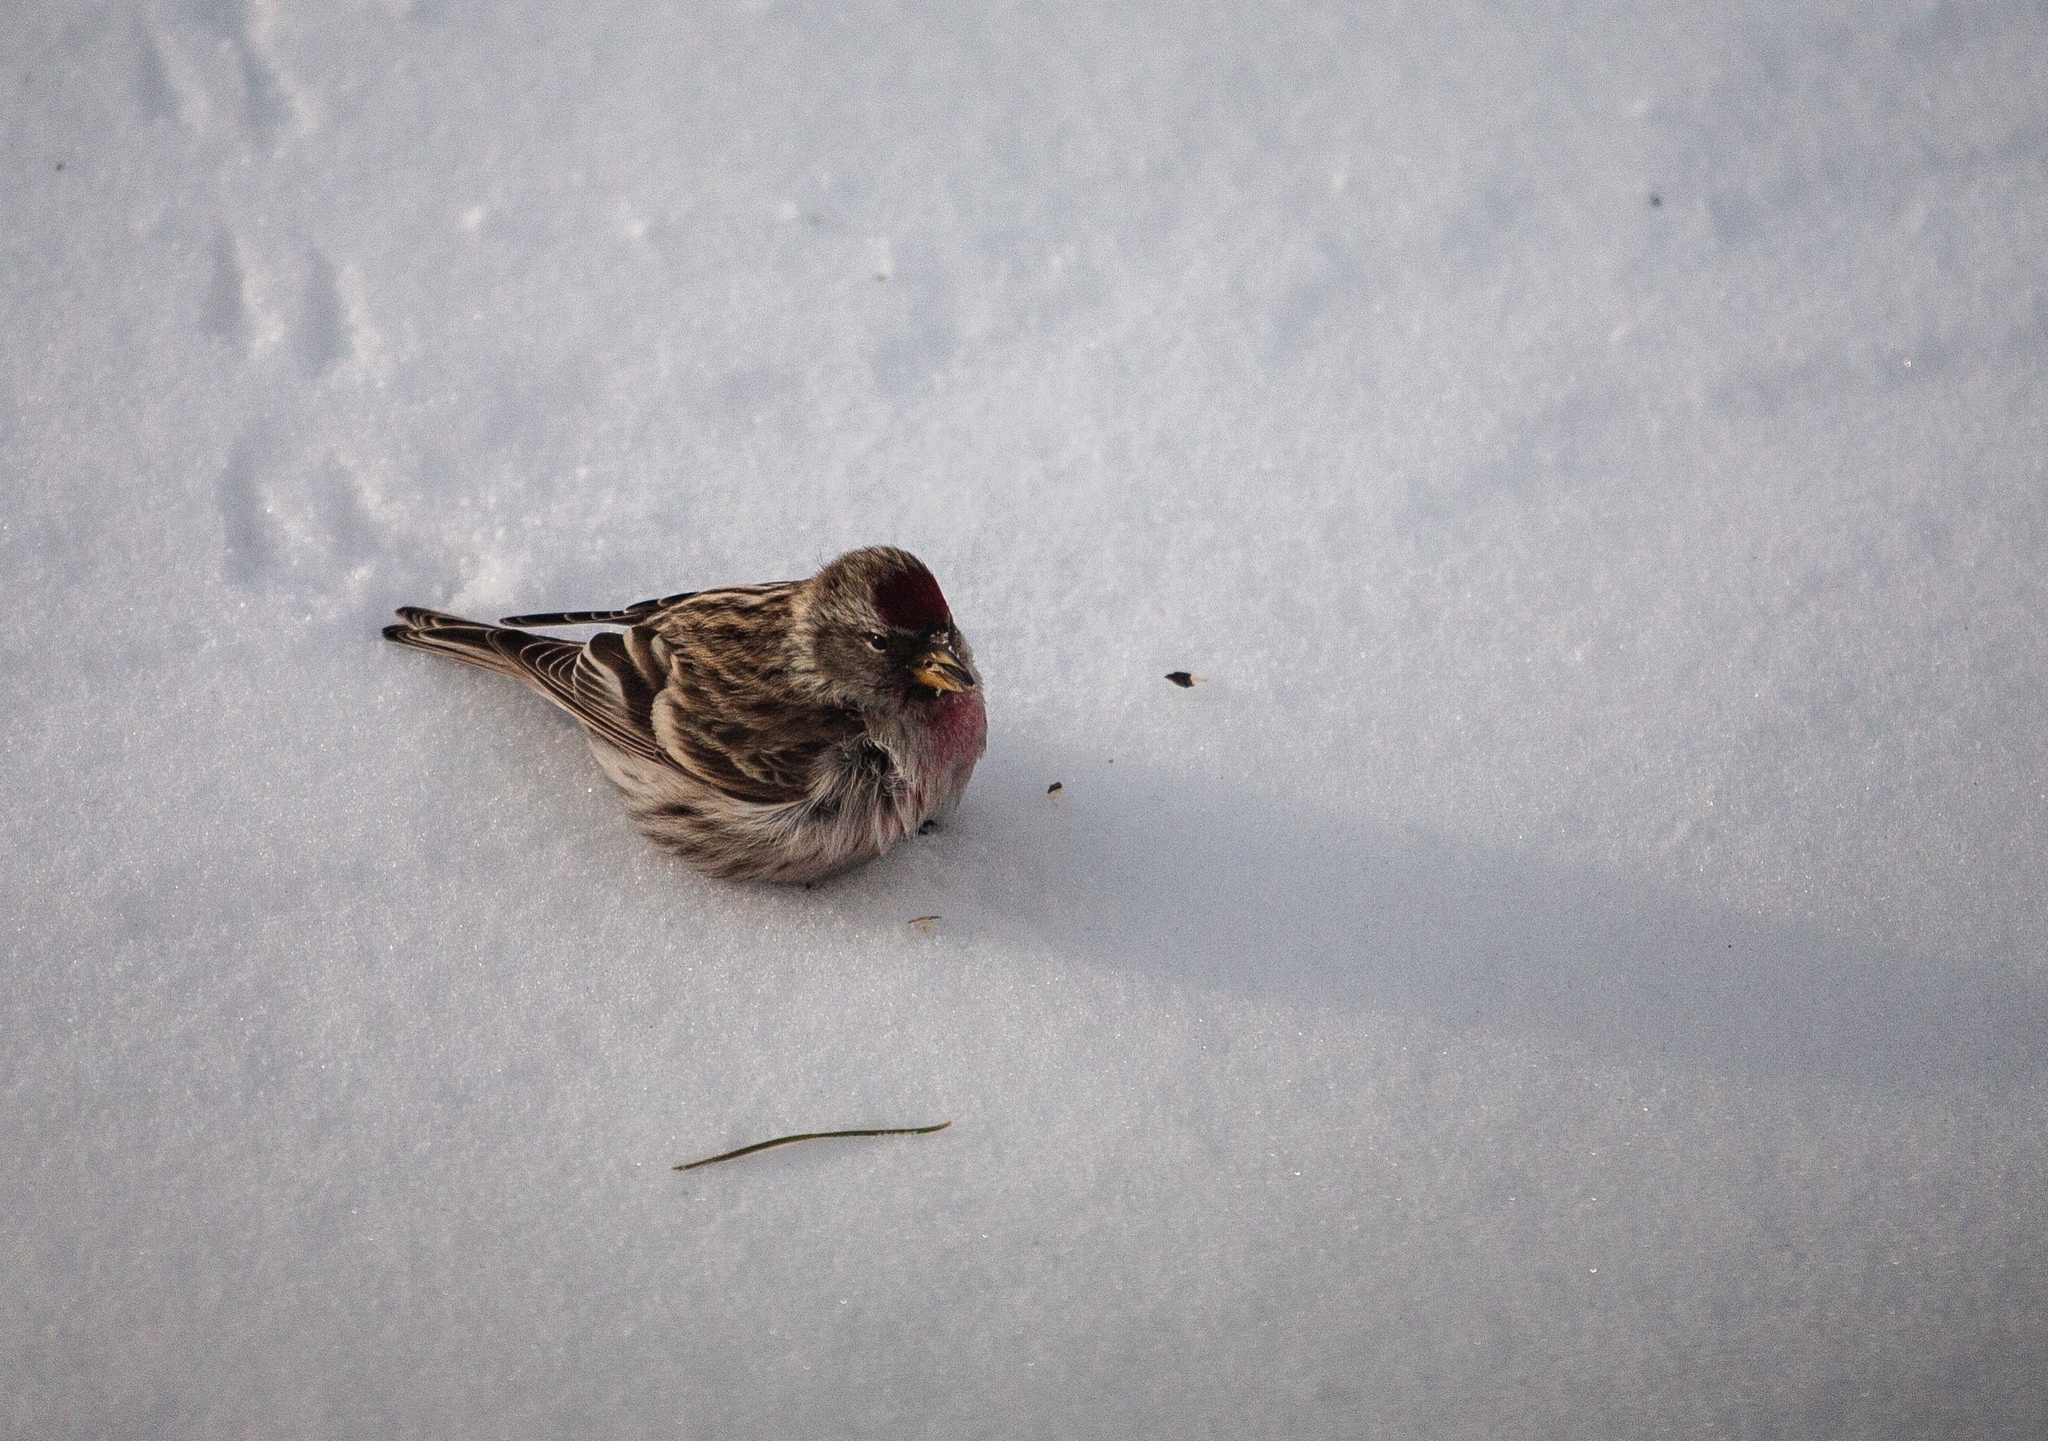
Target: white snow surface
(1577, 967)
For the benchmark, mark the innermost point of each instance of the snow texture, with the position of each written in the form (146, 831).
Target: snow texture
(1578, 966)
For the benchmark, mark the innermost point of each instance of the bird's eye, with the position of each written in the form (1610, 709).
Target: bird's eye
(878, 640)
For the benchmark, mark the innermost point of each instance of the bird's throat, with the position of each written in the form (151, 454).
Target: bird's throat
(957, 725)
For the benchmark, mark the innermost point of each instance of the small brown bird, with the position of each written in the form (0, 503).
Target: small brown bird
(777, 732)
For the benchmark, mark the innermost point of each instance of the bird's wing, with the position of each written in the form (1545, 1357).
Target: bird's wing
(605, 690)
(728, 711)
(755, 759)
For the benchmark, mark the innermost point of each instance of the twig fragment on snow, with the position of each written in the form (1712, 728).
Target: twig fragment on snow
(810, 1136)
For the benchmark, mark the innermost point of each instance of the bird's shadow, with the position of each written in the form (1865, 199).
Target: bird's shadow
(1130, 867)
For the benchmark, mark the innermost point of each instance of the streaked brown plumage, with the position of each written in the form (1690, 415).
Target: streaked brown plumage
(776, 732)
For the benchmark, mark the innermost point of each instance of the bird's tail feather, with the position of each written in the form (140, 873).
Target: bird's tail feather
(515, 653)
(638, 611)
(597, 682)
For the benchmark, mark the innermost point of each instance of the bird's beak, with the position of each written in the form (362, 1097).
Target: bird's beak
(940, 669)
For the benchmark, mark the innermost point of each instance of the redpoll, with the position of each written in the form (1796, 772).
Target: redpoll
(777, 732)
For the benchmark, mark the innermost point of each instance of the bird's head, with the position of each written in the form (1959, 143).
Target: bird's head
(882, 634)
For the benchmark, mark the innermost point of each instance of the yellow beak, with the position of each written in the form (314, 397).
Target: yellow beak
(940, 669)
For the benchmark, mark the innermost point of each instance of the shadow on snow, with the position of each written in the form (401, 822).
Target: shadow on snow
(1199, 885)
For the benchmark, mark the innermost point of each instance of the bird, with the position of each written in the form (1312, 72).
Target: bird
(783, 732)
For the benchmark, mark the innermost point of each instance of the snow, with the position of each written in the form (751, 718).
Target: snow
(1577, 966)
